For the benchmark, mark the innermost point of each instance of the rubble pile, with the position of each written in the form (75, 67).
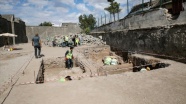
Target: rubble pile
(90, 40)
(84, 40)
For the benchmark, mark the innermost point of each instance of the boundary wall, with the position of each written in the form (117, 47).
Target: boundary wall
(152, 32)
(50, 31)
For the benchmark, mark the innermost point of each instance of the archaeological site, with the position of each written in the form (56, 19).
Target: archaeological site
(138, 59)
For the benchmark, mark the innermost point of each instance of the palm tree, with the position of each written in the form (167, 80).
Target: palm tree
(113, 8)
(118, 10)
(109, 10)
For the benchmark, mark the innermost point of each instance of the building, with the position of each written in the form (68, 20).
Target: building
(10, 24)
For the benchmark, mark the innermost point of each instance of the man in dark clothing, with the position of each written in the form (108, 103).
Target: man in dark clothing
(73, 39)
(36, 42)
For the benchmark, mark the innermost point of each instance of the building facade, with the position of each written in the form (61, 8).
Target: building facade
(11, 24)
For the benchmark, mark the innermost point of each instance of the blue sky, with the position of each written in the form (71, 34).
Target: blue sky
(33, 12)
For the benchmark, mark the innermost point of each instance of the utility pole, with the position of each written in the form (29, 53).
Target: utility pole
(160, 3)
(128, 6)
(105, 19)
(101, 19)
(142, 4)
(150, 2)
(98, 22)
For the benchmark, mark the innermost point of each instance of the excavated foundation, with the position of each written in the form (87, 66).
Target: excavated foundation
(89, 63)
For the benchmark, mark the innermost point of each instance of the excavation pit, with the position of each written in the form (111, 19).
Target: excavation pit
(89, 63)
(128, 62)
(55, 68)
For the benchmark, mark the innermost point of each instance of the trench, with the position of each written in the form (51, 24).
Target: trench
(89, 63)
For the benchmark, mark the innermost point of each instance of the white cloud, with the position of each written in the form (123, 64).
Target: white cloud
(33, 12)
(61, 9)
(13, 2)
(83, 8)
(25, 4)
(68, 2)
(97, 4)
(38, 2)
(95, 1)
(101, 6)
(6, 7)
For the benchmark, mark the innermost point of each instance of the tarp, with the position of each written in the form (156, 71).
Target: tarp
(8, 35)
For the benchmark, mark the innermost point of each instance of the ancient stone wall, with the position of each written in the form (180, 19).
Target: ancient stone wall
(162, 41)
(50, 31)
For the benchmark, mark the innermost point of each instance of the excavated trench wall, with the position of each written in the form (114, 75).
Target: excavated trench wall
(162, 41)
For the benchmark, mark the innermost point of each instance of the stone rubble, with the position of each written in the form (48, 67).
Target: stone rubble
(84, 39)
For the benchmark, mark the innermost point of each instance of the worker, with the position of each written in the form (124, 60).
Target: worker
(107, 61)
(76, 40)
(114, 61)
(36, 42)
(73, 39)
(69, 58)
(66, 40)
(80, 39)
(6, 43)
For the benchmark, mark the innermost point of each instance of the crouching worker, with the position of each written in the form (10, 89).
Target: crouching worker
(69, 58)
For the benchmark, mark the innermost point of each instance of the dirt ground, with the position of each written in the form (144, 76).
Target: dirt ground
(161, 86)
(13, 61)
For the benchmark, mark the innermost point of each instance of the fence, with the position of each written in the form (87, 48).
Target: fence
(126, 6)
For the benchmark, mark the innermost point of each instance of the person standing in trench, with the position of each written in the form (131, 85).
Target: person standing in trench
(36, 42)
(69, 58)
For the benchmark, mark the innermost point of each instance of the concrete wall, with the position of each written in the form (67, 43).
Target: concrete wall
(162, 41)
(5, 26)
(45, 31)
(151, 18)
(9, 24)
(20, 30)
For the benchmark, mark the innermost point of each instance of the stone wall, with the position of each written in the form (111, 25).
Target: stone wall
(45, 31)
(5, 26)
(20, 30)
(10, 24)
(151, 18)
(162, 41)
(152, 32)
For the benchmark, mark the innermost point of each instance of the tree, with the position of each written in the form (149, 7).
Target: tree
(87, 22)
(118, 10)
(45, 24)
(113, 8)
(109, 10)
